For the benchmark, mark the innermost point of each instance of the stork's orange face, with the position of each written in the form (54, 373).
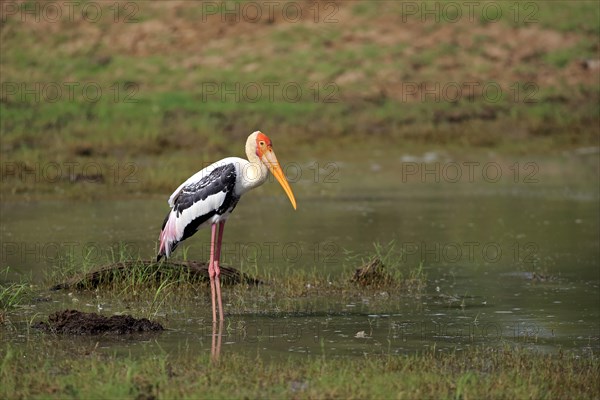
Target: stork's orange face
(264, 151)
(263, 144)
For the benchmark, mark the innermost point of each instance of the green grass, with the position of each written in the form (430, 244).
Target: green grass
(153, 288)
(12, 294)
(472, 373)
(566, 16)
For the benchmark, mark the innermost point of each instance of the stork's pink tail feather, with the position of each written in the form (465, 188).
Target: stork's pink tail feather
(168, 237)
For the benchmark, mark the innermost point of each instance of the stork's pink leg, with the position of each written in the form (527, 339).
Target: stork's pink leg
(217, 269)
(212, 271)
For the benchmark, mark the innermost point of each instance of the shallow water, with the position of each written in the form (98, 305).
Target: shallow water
(507, 262)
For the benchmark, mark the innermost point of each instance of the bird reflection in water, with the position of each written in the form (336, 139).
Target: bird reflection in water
(217, 338)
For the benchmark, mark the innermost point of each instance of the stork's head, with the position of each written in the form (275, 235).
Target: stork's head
(259, 145)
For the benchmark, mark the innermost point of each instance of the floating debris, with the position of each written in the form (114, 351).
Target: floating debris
(540, 277)
(361, 335)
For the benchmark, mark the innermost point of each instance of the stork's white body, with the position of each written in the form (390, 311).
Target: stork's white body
(209, 196)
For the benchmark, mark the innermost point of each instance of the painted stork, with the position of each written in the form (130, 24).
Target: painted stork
(209, 196)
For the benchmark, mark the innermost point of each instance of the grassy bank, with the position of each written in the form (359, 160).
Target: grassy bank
(473, 373)
(165, 87)
(147, 289)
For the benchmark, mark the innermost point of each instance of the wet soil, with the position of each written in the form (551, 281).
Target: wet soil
(73, 322)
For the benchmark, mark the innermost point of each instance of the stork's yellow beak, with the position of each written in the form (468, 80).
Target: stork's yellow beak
(269, 159)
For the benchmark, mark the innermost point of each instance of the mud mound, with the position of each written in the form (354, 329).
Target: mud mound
(73, 322)
(189, 270)
(372, 273)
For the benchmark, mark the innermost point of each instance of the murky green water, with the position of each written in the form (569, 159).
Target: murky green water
(480, 243)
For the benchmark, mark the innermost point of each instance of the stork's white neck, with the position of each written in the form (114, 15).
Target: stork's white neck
(254, 173)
